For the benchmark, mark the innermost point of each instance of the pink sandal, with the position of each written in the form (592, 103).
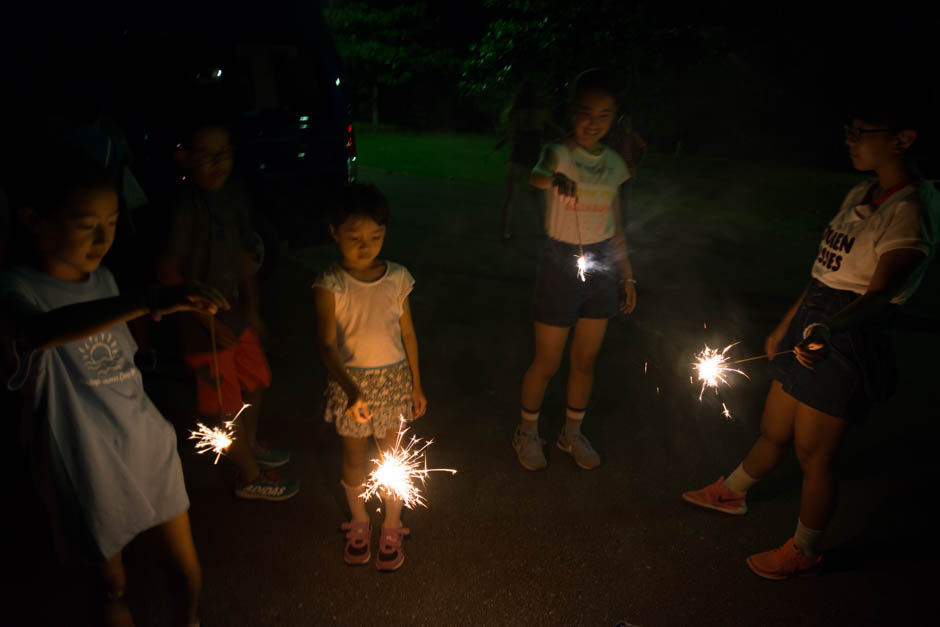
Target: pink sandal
(391, 554)
(358, 535)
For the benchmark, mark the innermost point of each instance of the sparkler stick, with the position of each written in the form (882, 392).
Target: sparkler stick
(398, 469)
(741, 361)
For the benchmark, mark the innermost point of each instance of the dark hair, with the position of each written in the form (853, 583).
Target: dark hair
(594, 79)
(360, 200)
(896, 113)
(189, 127)
(54, 177)
(51, 179)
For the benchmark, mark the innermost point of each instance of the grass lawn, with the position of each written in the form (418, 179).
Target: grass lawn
(789, 201)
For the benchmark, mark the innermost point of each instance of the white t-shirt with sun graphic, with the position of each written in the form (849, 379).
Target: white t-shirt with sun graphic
(113, 454)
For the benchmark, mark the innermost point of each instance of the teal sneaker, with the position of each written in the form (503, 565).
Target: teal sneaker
(270, 457)
(268, 487)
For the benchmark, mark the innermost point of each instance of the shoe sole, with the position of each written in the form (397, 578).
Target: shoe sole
(523, 464)
(379, 567)
(800, 573)
(258, 497)
(362, 563)
(740, 512)
(568, 450)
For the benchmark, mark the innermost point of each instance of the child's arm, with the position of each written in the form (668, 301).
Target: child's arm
(329, 352)
(544, 175)
(776, 336)
(623, 259)
(74, 322)
(410, 341)
(892, 273)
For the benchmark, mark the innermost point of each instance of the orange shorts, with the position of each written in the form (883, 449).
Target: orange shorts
(243, 368)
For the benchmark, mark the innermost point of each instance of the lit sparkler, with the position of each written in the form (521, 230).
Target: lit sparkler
(725, 412)
(582, 267)
(712, 367)
(215, 439)
(399, 470)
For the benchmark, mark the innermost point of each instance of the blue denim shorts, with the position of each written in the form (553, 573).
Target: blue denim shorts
(859, 370)
(561, 297)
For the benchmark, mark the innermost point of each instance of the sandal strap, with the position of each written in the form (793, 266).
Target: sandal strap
(392, 538)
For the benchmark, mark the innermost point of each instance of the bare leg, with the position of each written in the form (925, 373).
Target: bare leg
(817, 437)
(239, 452)
(776, 432)
(392, 504)
(586, 344)
(249, 417)
(174, 540)
(549, 348)
(114, 583)
(355, 459)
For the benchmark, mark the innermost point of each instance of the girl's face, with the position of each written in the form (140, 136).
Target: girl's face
(592, 115)
(360, 240)
(211, 158)
(73, 241)
(873, 146)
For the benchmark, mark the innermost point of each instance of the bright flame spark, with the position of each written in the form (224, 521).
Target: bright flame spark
(215, 439)
(726, 413)
(645, 363)
(582, 267)
(399, 470)
(712, 368)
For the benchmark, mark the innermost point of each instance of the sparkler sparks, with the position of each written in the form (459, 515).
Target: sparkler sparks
(398, 471)
(582, 267)
(215, 439)
(712, 367)
(726, 413)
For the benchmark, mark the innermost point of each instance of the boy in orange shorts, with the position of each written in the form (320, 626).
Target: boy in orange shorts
(208, 243)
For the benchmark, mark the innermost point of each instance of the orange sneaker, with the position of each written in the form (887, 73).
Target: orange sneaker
(783, 562)
(719, 497)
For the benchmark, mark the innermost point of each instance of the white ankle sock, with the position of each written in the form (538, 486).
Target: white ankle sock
(573, 423)
(807, 539)
(530, 421)
(739, 481)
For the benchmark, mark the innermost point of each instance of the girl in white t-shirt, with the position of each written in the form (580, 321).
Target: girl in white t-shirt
(582, 179)
(368, 344)
(871, 259)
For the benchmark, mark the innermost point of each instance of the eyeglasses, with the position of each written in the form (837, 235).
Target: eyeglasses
(855, 133)
(210, 158)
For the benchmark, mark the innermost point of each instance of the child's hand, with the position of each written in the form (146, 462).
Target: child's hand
(565, 188)
(359, 410)
(628, 301)
(197, 297)
(815, 345)
(419, 403)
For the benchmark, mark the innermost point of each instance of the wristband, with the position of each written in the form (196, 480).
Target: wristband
(631, 280)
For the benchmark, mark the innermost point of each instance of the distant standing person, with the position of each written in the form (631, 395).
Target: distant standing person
(526, 124)
(872, 257)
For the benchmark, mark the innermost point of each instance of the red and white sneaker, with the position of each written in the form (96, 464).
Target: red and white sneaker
(719, 497)
(783, 562)
(391, 553)
(358, 536)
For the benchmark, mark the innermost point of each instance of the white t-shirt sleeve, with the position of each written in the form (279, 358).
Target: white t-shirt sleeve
(406, 284)
(908, 227)
(18, 303)
(621, 171)
(331, 280)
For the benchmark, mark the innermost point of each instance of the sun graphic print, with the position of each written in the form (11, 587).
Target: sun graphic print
(102, 355)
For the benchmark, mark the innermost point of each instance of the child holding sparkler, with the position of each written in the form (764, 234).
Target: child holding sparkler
(368, 344)
(584, 275)
(872, 258)
(105, 460)
(209, 240)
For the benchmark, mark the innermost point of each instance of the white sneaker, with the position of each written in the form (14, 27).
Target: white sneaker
(581, 450)
(528, 448)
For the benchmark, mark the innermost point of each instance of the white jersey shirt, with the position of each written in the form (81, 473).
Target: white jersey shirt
(598, 178)
(863, 231)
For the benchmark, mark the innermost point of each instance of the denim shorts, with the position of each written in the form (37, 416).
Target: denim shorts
(561, 297)
(859, 370)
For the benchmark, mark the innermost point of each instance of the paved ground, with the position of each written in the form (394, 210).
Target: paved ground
(499, 545)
